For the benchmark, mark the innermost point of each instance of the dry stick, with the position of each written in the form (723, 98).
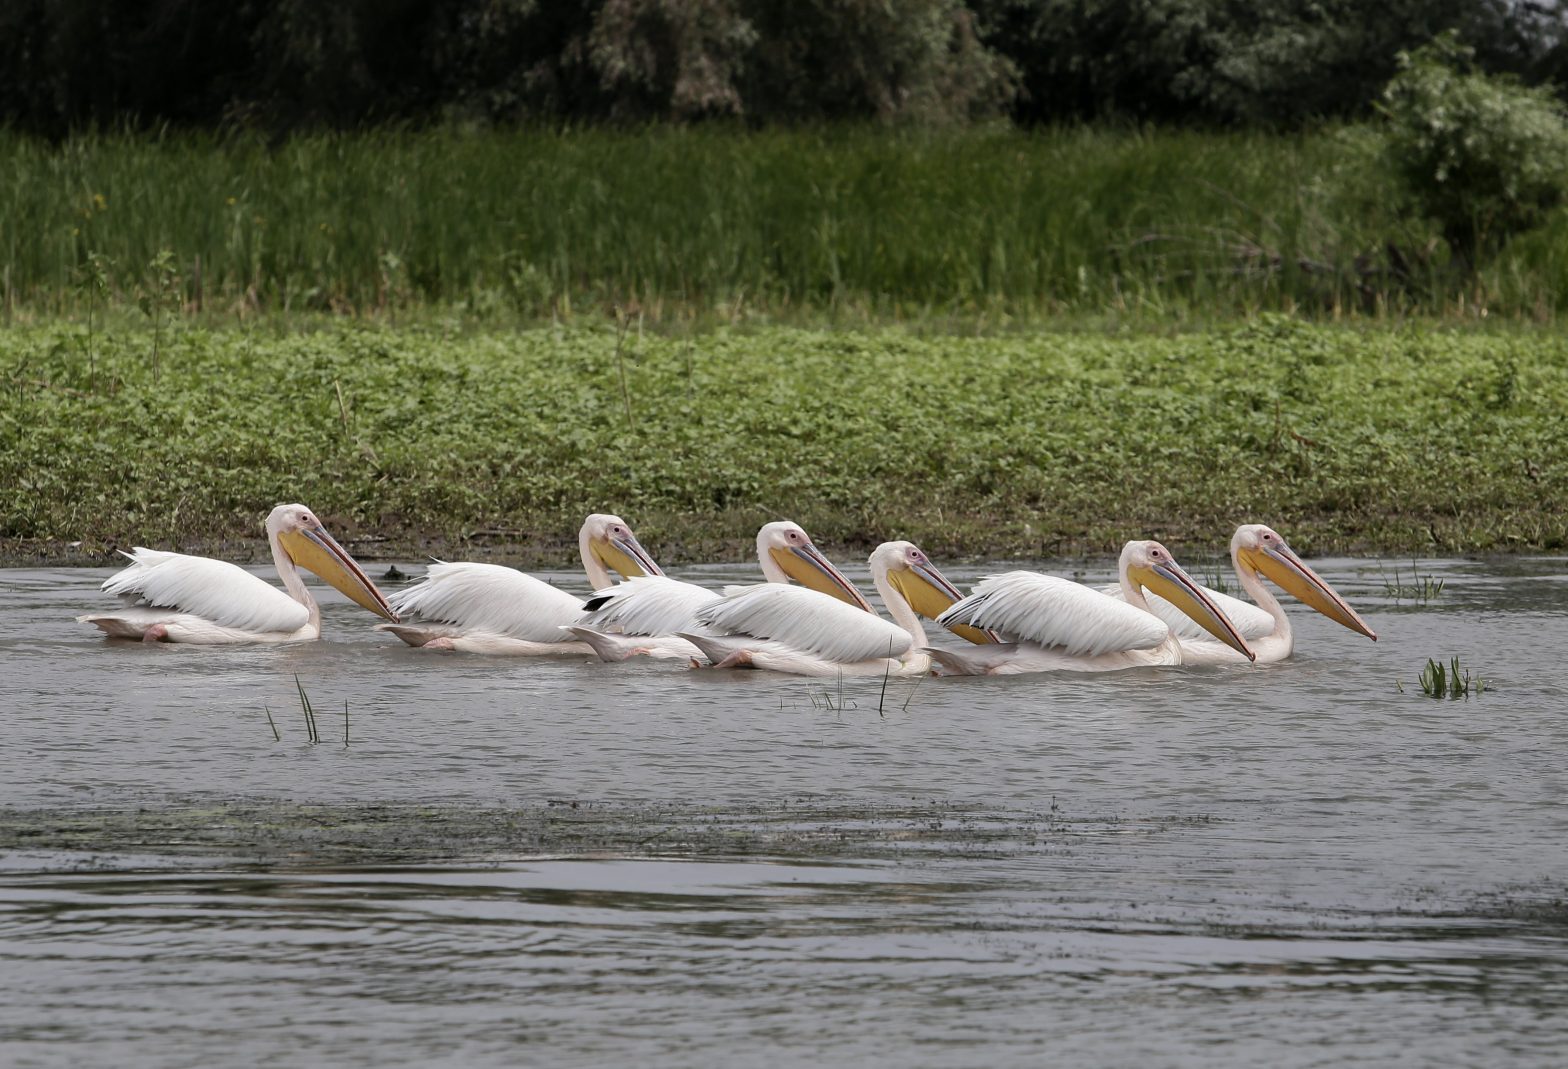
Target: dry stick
(620, 342)
(275, 736)
(345, 723)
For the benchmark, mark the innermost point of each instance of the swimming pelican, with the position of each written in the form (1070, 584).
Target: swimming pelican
(175, 597)
(489, 608)
(1256, 549)
(789, 629)
(1053, 624)
(648, 611)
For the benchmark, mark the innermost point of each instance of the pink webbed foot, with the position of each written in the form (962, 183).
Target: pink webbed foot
(738, 659)
(441, 643)
(156, 633)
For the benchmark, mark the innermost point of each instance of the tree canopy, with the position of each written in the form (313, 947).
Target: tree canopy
(279, 65)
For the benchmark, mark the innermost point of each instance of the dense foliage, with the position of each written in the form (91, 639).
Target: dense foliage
(1393, 440)
(282, 64)
(1484, 157)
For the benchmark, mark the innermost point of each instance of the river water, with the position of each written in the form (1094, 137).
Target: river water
(567, 863)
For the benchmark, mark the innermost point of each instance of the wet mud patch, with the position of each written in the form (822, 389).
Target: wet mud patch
(281, 833)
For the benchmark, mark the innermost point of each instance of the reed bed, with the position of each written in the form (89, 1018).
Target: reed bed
(720, 222)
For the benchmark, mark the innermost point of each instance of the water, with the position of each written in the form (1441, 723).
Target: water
(579, 864)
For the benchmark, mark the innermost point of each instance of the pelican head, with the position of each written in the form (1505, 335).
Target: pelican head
(297, 531)
(786, 547)
(1150, 566)
(910, 572)
(1260, 549)
(609, 540)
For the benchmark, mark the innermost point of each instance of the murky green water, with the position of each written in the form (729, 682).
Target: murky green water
(569, 863)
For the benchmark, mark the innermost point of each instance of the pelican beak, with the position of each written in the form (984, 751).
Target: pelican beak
(318, 551)
(625, 556)
(930, 594)
(1292, 575)
(808, 567)
(1178, 588)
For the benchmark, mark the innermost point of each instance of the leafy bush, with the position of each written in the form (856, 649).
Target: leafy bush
(1483, 156)
(1282, 63)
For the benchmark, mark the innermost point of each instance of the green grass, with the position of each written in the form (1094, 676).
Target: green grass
(714, 223)
(1415, 439)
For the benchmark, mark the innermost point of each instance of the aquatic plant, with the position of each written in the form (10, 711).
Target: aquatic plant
(823, 698)
(1420, 588)
(1216, 580)
(1449, 681)
(309, 711)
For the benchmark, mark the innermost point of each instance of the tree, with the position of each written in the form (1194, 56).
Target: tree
(1481, 155)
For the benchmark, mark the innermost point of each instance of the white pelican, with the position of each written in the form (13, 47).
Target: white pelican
(1053, 624)
(647, 612)
(1256, 549)
(175, 597)
(788, 629)
(489, 608)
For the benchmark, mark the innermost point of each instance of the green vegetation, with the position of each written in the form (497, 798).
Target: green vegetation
(1450, 681)
(1484, 157)
(853, 225)
(280, 65)
(1419, 588)
(1398, 440)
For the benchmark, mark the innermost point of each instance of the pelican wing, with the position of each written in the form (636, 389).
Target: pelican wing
(647, 605)
(804, 620)
(214, 590)
(1049, 611)
(1250, 620)
(489, 598)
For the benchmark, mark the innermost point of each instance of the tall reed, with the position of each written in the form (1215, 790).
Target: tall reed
(682, 220)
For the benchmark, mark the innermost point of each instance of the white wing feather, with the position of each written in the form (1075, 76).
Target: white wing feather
(1050, 611)
(805, 620)
(647, 605)
(1250, 620)
(214, 590)
(489, 598)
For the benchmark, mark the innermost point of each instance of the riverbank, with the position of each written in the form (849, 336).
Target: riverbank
(411, 441)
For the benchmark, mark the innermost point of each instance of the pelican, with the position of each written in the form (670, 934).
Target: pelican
(1054, 624)
(1259, 550)
(175, 597)
(805, 632)
(489, 608)
(648, 611)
